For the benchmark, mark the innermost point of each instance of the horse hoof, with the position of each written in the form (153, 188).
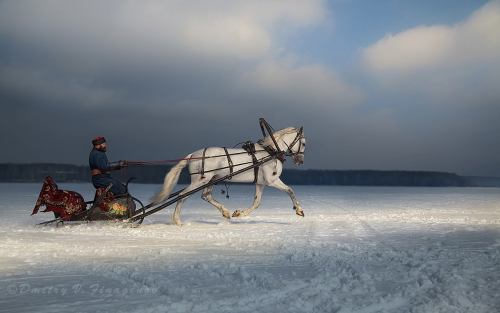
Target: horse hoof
(300, 213)
(226, 215)
(237, 213)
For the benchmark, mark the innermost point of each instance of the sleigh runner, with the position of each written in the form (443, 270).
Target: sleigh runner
(259, 163)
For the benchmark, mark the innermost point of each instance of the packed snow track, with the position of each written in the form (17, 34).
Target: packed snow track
(357, 250)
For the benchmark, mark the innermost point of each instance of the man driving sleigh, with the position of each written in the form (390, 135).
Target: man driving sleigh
(100, 168)
(112, 203)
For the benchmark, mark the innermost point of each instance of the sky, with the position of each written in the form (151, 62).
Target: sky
(388, 85)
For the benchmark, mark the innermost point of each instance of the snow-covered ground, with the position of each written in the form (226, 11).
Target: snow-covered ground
(357, 250)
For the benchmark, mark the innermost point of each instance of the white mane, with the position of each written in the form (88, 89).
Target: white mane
(278, 135)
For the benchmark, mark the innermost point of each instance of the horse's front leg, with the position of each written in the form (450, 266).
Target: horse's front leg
(278, 184)
(207, 196)
(256, 202)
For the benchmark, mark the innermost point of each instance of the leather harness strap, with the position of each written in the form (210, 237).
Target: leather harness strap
(270, 150)
(295, 140)
(255, 161)
(255, 169)
(229, 162)
(203, 163)
(264, 125)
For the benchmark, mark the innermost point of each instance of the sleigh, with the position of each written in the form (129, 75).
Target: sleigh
(69, 206)
(216, 165)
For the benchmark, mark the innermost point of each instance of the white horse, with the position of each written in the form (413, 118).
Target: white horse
(214, 162)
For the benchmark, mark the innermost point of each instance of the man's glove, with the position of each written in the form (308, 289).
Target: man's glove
(123, 163)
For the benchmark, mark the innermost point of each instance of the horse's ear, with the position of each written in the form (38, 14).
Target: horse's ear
(301, 130)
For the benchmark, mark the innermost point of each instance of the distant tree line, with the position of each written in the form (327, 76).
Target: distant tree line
(154, 174)
(373, 178)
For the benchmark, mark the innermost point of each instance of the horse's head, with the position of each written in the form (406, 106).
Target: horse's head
(297, 146)
(291, 141)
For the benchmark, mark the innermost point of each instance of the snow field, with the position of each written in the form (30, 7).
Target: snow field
(357, 250)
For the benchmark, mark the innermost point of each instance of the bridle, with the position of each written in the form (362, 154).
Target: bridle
(264, 125)
(298, 137)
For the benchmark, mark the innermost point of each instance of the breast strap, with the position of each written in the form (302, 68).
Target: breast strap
(203, 163)
(255, 161)
(229, 162)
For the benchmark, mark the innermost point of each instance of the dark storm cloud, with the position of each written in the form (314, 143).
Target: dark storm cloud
(155, 97)
(161, 79)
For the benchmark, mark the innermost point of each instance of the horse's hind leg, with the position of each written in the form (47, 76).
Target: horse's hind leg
(176, 216)
(256, 202)
(207, 196)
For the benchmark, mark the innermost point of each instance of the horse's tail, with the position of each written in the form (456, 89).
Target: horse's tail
(171, 180)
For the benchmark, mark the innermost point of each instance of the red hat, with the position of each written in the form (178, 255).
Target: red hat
(98, 140)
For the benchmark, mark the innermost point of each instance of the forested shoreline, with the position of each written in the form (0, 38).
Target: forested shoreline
(154, 174)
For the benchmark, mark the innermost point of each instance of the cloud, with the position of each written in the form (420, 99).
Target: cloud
(161, 53)
(440, 83)
(154, 28)
(440, 65)
(472, 42)
(140, 72)
(163, 78)
(310, 84)
(21, 82)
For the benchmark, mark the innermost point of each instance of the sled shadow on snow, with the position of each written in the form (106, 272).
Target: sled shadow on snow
(217, 222)
(239, 222)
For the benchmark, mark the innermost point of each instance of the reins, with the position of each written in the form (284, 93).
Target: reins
(157, 162)
(264, 126)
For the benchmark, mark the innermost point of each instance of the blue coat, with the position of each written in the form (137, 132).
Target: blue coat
(99, 160)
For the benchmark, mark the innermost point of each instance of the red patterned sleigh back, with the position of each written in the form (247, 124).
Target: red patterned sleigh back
(62, 202)
(103, 198)
(110, 207)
